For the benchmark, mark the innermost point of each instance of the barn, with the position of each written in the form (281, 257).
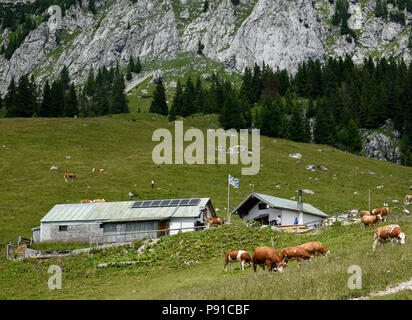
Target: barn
(264, 209)
(117, 222)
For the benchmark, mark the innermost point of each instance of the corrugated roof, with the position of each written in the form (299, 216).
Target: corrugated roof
(283, 203)
(118, 211)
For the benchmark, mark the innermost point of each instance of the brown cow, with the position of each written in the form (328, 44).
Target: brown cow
(237, 255)
(69, 175)
(85, 201)
(391, 232)
(215, 221)
(99, 200)
(297, 253)
(365, 213)
(268, 256)
(97, 170)
(315, 247)
(371, 220)
(408, 198)
(382, 211)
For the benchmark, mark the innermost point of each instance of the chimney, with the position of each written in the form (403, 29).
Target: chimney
(300, 203)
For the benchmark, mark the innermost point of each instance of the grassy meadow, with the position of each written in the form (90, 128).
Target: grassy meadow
(122, 145)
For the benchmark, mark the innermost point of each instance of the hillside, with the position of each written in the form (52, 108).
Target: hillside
(122, 145)
(280, 33)
(176, 270)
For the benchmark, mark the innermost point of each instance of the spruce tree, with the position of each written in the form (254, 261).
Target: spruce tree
(71, 107)
(159, 104)
(188, 105)
(10, 99)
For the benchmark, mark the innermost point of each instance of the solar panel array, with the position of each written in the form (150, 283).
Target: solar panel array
(166, 203)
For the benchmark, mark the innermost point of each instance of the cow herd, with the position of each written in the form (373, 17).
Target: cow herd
(269, 256)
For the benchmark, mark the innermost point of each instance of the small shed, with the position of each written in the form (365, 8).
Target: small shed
(264, 209)
(117, 222)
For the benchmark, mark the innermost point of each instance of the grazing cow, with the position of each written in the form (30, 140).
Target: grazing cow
(85, 201)
(408, 198)
(297, 253)
(268, 256)
(69, 175)
(99, 200)
(215, 221)
(97, 170)
(382, 211)
(315, 247)
(237, 255)
(371, 220)
(365, 213)
(391, 232)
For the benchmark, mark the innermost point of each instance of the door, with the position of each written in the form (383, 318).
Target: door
(163, 228)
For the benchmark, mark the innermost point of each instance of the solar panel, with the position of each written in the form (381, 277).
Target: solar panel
(194, 202)
(156, 203)
(175, 202)
(137, 204)
(166, 203)
(184, 202)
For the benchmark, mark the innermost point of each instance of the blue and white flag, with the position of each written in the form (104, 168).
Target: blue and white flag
(233, 181)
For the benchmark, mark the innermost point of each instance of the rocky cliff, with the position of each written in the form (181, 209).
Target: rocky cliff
(279, 32)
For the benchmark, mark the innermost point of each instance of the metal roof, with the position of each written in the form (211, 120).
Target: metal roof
(119, 211)
(276, 202)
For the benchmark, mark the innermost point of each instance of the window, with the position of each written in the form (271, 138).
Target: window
(262, 206)
(101, 226)
(62, 228)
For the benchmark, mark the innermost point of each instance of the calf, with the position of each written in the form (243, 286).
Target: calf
(97, 170)
(408, 198)
(237, 255)
(382, 211)
(391, 232)
(215, 221)
(268, 256)
(371, 220)
(85, 201)
(99, 200)
(315, 247)
(297, 253)
(69, 175)
(365, 213)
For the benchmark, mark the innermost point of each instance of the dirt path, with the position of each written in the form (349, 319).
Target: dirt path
(407, 285)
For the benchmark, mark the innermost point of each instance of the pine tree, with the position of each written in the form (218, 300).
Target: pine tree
(137, 66)
(296, 125)
(92, 6)
(159, 104)
(206, 6)
(65, 78)
(188, 105)
(355, 141)
(118, 97)
(231, 115)
(10, 99)
(71, 108)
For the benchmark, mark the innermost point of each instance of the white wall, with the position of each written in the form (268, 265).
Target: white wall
(76, 232)
(287, 216)
(177, 223)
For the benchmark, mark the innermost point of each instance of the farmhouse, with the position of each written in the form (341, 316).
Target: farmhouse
(117, 222)
(264, 209)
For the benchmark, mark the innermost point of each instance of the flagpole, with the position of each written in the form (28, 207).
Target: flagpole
(228, 188)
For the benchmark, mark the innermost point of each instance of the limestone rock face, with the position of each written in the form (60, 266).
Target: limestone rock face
(281, 33)
(382, 144)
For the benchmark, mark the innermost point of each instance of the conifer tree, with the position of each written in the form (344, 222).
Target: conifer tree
(159, 104)
(71, 107)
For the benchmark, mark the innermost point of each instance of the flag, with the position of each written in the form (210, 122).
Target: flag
(233, 181)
